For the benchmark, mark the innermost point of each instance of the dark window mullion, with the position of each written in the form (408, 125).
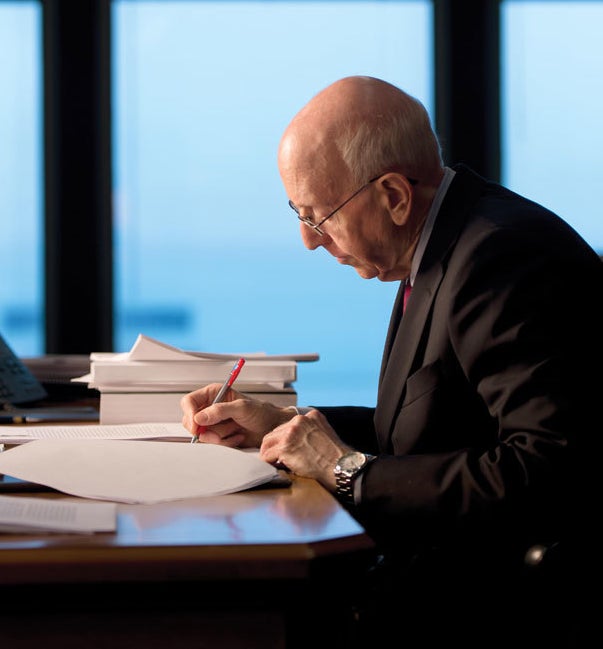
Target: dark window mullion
(78, 263)
(467, 78)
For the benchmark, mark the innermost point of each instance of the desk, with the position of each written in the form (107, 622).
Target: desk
(260, 568)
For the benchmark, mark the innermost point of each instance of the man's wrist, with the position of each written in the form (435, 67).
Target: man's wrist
(349, 467)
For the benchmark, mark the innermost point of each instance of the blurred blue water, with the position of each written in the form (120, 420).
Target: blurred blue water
(208, 255)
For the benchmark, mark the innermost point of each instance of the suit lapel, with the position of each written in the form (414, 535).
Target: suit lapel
(405, 333)
(403, 341)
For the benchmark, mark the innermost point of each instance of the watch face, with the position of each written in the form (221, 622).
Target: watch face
(351, 462)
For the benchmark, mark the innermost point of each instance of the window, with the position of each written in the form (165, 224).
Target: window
(552, 101)
(21, 157)
(208, 254)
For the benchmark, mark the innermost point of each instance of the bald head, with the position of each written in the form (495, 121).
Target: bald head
(357, 128)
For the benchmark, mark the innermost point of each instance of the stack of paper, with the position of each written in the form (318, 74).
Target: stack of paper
(147, 383)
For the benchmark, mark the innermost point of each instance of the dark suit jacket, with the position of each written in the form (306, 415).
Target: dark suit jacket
(488, 409)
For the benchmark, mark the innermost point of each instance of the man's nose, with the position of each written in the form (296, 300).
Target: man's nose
(310, 238)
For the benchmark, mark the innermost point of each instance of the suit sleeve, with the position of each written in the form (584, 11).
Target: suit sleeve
(354, 424)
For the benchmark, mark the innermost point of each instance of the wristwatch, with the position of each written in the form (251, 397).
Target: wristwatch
(347, 469)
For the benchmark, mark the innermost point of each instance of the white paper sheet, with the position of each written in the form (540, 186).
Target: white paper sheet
(12, 434)
(146, 348)
(25, 515)
(135, 471)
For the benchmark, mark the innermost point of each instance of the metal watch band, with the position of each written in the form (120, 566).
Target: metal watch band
(344, 481)
(344, 489)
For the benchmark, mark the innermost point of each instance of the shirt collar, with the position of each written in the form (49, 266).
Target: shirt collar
(431, 217)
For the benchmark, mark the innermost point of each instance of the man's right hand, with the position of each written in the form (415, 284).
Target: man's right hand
(238, 421)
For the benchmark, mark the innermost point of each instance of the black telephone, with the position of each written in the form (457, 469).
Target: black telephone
(17, 384)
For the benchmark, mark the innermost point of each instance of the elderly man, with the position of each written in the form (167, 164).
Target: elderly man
(479, 442)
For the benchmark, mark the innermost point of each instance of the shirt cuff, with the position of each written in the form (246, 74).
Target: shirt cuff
(300, 410)
(358, 489)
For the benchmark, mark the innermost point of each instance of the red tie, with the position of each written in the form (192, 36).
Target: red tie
(407, 290)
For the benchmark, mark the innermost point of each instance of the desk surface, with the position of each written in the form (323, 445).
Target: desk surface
(265, 533)
(280, 547)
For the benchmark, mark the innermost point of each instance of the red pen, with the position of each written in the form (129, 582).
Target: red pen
(229, 381)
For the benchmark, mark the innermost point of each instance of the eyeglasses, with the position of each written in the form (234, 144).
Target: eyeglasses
(316, 226)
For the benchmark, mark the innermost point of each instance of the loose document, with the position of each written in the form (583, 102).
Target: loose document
(35, 515)
(135, 470)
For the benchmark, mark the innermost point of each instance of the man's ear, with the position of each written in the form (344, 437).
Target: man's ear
(398, 193)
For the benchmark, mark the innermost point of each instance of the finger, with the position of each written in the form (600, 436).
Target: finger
(192, 401)
(269, 449)
(209, 437)
(233, 441)
(189, 424)
(210, 416)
